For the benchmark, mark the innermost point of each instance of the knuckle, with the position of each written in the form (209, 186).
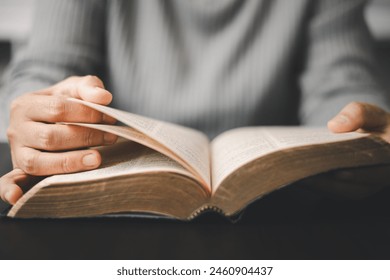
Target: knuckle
(57, 109)
(11, 134)
(71, 79)
(91, 115)
(95, 117)
(66, 165)
(15, 105)
(91, 80)
(29, 163)
(358, 107)
(46, 139)
(358, 113)
(89, 137)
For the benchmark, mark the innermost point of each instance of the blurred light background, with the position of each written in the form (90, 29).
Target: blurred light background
(16, 18)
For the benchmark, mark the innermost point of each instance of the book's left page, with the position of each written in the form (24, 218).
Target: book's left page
(132, 178)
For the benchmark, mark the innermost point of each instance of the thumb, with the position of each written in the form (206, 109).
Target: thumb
(88, 88)
(357, 115)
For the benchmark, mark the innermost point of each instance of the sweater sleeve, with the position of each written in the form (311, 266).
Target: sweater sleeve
(339, 64)
(67, 39)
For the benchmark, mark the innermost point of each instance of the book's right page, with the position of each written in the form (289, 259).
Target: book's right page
(251, 162)
(235, 148)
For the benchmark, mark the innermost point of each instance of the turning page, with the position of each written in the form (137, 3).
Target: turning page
(131, 134)
(190, 145)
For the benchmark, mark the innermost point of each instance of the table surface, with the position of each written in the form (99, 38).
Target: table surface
(287, 224)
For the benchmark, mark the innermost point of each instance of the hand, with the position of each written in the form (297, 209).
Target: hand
(359, 182)
(362, 117)
(41, 146)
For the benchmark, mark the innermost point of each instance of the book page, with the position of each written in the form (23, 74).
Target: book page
(288, 137)
(190, 145)
(237, 147)
(122, 159)
(136, 136)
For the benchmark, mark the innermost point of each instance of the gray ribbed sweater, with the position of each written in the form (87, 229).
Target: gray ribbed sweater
(209, 64)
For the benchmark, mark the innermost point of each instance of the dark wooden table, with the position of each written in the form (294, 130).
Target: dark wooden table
(288, 224)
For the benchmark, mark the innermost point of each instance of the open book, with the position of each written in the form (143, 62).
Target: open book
(171, 170)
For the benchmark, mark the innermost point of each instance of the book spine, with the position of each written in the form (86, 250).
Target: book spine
(206, 208)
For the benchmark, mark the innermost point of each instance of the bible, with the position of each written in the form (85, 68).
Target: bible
(169, 170)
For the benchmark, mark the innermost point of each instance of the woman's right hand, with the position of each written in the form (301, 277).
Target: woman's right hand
(41, 145)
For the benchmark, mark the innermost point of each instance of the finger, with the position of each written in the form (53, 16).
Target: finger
(39, 163)
(108, 119)
(53, 109)
(56, 137)
(10, 191)
(88, 88)
(356, 116)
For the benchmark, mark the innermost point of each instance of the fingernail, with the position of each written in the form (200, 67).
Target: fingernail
(8, 196)
(90, 160)
(109, 138)
(340, 119)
